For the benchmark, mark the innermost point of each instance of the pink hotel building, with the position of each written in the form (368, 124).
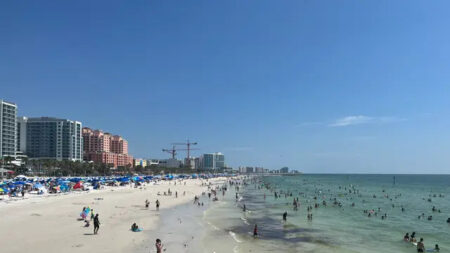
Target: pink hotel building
(105, 148)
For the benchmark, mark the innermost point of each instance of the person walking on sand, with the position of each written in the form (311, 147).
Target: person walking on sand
(96, 224)
(157, 204)
(158, 246)
(92, 214)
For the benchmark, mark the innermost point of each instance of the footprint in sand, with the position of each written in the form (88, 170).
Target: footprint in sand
(35, 214)
(77, 246)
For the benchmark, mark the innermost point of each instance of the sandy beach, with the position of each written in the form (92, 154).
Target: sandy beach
(50, 224)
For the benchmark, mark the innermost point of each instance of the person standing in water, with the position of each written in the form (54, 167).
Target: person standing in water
(255, 231)
(158, 246)
(420, 246)
(285, 216)
(96, 224)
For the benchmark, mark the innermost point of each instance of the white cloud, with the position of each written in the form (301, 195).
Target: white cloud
(362, 119)
(352, 120)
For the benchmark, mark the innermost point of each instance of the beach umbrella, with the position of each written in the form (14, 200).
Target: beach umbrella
(37, 185)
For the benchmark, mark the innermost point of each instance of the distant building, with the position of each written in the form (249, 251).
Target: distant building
(53, 138)
(140, 162)
(152, 162)
(212, 161)
(170, 163)
(105, 148)
(248, 170)
(191, 162)
(8, 114)
(284, 170)
(198, 164)
(259, 170)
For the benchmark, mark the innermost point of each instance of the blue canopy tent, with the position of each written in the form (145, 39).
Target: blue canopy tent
(37, 185)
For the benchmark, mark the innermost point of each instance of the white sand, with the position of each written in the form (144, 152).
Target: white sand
(50, 224)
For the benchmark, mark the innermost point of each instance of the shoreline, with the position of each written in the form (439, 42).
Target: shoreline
(50, 224)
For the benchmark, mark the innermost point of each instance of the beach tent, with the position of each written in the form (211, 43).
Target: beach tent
(20, 178)
(38, 185)
(78, 185)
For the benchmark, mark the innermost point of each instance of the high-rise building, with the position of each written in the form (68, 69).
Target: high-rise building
(212, 161)
(8, 114)
(191, 162)
(284, 170)
(105, 148)
(53, 138)
(21, 138)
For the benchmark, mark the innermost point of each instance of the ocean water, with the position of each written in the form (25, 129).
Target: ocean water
(334, 228)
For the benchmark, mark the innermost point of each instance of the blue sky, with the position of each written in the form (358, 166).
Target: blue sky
(320, 86)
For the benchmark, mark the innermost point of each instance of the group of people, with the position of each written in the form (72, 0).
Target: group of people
(84, 214)
(420, 244)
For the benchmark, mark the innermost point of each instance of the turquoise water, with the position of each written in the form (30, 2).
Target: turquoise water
(334, 228)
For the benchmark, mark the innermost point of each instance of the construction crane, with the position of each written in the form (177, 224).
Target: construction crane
(188, 145)
(172, 151)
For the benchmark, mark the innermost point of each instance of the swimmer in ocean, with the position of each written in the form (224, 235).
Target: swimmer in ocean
(420, 246)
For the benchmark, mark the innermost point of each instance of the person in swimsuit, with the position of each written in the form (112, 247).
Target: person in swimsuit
(406, 237)
(420, 246)
(96, 224)
(255, 231)
(413, 237)
(157, 204)
(284, 216)
(436, 248)
(158, 246)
